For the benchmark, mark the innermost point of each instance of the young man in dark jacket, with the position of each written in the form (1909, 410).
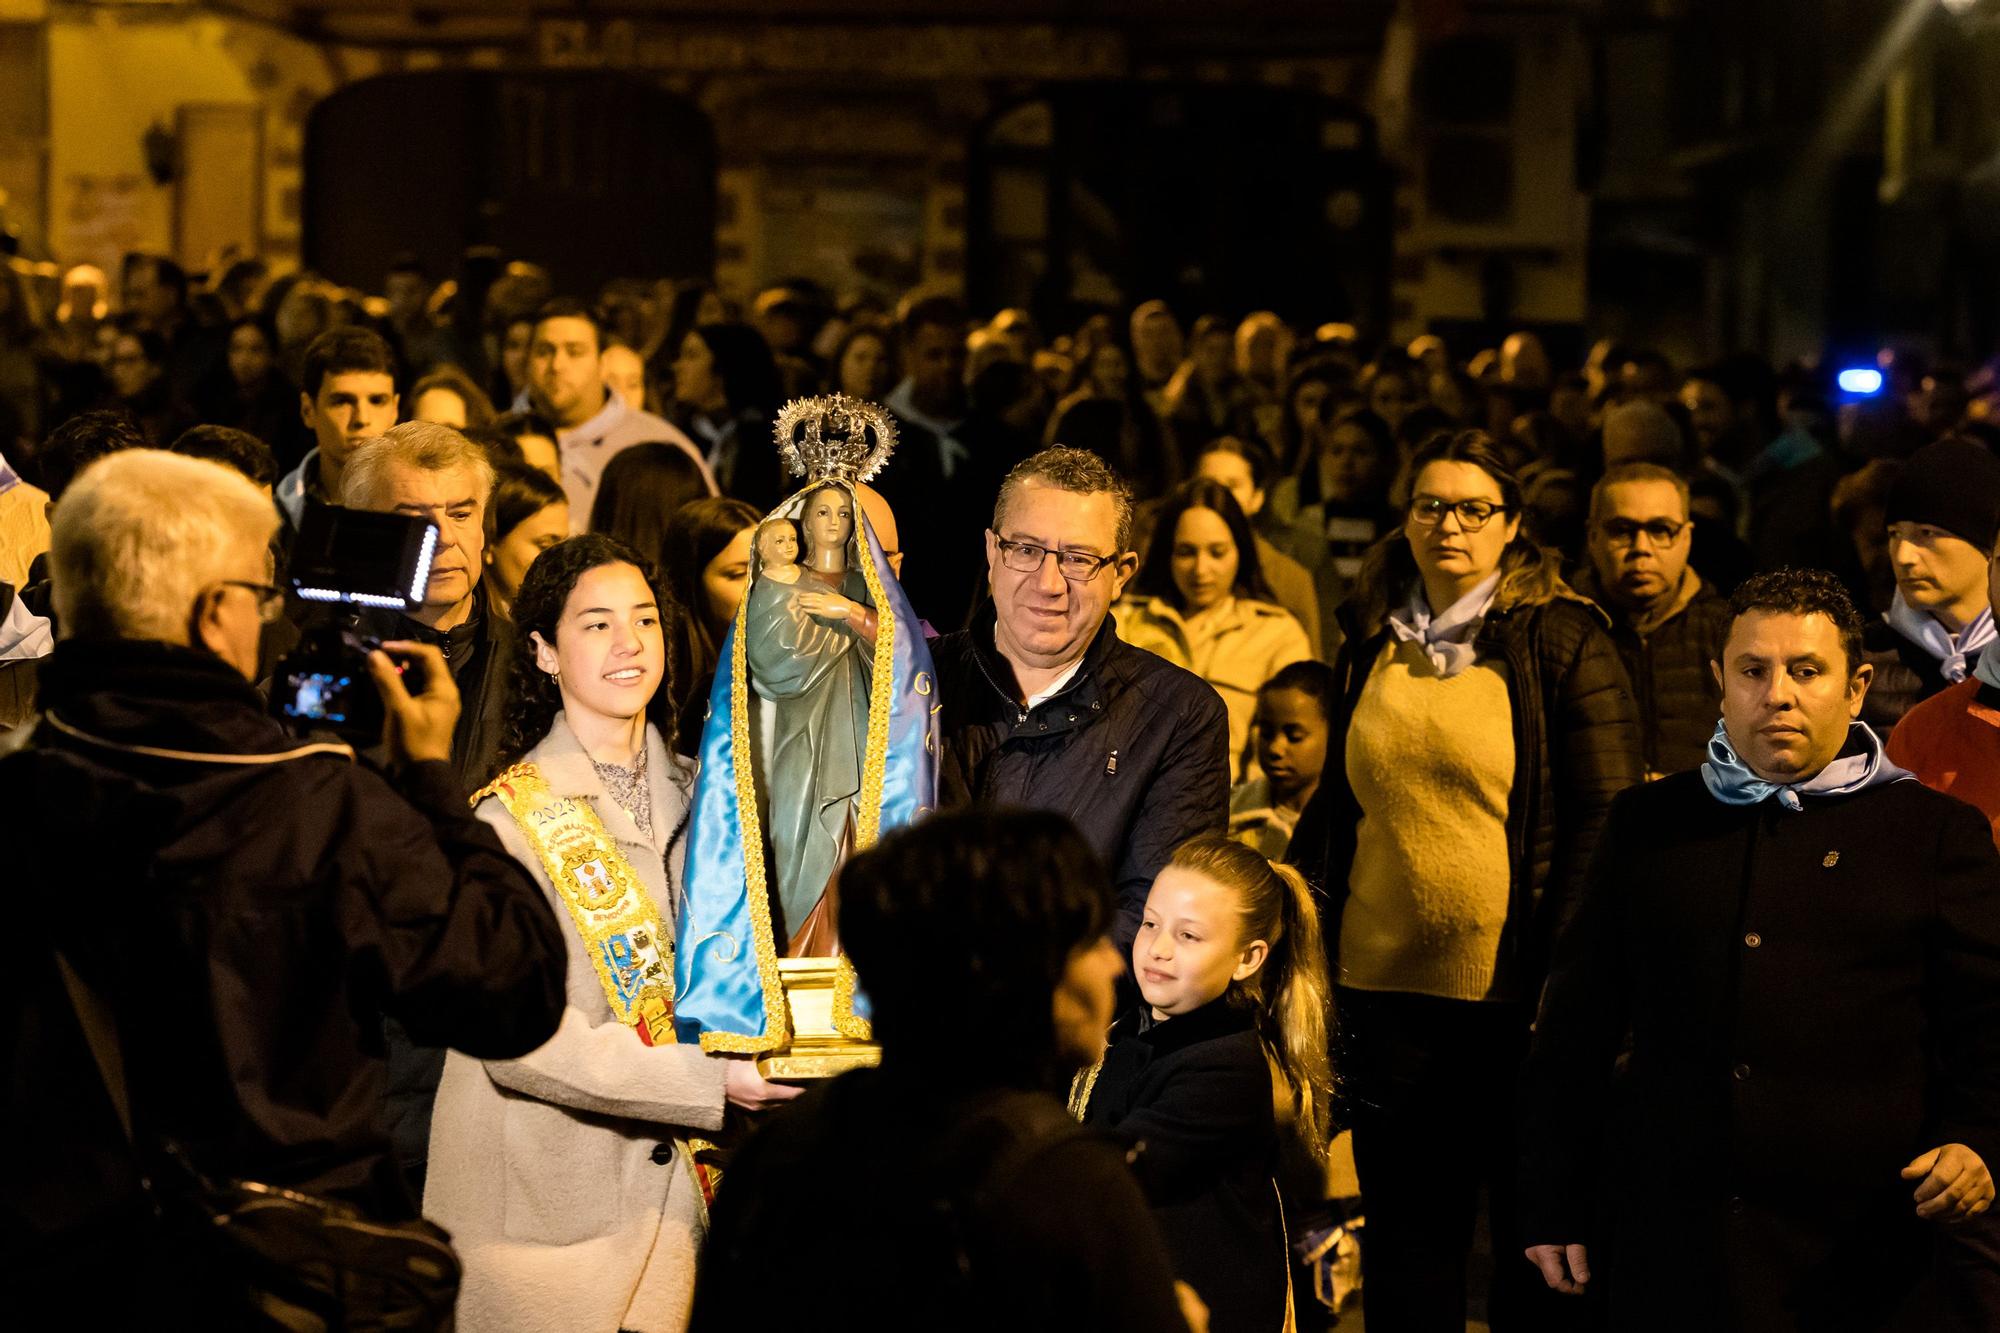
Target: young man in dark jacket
(1797, 951)
(1045, 707)
(245, 906)
(1668, 623)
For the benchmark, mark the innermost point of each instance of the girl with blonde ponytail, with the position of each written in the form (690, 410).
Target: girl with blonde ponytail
(1226, 1051)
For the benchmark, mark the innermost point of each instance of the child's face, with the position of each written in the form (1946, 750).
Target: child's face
(1291, 739)
(1187, 951)
(778, 545)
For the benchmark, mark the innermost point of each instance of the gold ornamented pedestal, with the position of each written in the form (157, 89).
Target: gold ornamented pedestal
(818, 1049)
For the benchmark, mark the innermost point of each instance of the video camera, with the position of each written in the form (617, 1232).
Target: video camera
(362, 559)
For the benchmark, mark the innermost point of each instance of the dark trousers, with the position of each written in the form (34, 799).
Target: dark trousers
(1429, 1087)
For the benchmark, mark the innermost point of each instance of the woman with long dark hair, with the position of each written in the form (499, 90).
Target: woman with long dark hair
(1480, 726)
(569, 1178)
(1200, 600)
(641, 488)
(246, 390)
(863, 364)
(706, 561)
(526, 514)
(1106, 412)
(726, 392)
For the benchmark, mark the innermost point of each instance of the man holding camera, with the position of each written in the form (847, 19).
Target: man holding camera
(242, 905)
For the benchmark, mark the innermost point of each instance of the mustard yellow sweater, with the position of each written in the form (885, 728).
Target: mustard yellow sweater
(1431, 763)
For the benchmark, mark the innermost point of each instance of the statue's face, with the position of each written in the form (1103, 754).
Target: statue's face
(778, 544)
(828, 519)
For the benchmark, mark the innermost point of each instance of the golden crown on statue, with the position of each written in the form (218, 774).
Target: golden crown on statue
(834, 437)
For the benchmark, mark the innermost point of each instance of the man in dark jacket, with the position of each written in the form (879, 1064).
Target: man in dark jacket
(1045, 707)
(1668, 624)
(433, 472)
(1801, 948)
(245, 906)
(1943, 514)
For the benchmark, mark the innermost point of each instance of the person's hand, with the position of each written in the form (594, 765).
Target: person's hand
(1192, 1308)
(417, 727)
(830, 605)
(1955, 1183)
(750, 1090)
(1566, 1268)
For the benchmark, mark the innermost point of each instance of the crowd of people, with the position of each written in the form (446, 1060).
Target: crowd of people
(1575, 792)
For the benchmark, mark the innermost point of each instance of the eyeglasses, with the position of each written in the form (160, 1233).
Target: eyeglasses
(1427, 511)
(270, 597)
(1625, 531)
(1027, 558)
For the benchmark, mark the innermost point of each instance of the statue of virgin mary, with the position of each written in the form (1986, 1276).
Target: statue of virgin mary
(820, 737)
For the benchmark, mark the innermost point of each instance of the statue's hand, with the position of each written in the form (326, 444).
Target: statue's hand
(826, 605)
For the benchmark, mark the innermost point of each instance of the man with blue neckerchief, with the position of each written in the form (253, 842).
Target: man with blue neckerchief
(1798, 948)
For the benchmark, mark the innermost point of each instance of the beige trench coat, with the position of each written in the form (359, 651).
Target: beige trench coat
(543, 1168)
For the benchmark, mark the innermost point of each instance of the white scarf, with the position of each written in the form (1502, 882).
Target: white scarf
(1928, 632)
(1446, 639)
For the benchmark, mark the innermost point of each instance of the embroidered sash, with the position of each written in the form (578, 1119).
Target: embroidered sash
(633, 956)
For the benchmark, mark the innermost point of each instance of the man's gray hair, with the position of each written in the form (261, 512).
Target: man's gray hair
(423, 445)
(139, 535)
(1078, 471)
(1627, 473)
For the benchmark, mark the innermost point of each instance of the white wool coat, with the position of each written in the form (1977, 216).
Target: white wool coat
(543, 1168)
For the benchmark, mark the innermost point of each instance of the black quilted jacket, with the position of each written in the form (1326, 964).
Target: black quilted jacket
(1576, 745)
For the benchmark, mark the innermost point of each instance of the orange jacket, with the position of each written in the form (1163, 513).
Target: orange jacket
(1951, 741)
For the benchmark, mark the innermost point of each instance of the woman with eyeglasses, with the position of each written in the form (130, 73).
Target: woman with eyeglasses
(1483, 722)
(1201, 601)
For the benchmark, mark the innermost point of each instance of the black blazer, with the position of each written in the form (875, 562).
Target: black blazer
(1812, 999)
(1192, 1095)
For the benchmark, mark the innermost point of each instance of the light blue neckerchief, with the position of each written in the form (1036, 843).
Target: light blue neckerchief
(1928, 633)
(1445, 639)
(1732, 782)
(1988, 669)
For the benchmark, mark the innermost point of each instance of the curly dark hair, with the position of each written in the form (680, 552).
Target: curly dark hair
(533, 697)
(1802, 592)
(965, 922)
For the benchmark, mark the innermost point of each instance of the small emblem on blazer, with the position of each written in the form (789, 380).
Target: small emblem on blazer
(1830, 860)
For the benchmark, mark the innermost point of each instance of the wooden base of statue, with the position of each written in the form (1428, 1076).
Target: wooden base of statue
(818, 1049)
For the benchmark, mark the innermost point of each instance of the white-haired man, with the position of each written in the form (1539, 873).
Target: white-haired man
(431, 471)
(236, 905)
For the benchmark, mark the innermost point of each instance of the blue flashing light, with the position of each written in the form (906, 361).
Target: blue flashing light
(1861, 381)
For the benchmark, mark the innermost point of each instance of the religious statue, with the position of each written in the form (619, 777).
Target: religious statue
(820, 736)
(810, 641)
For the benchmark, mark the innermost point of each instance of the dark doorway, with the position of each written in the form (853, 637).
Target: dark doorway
(593, 175)
(1222, 199)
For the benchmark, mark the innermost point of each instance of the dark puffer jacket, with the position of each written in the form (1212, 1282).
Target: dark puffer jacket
(1905, 676)
(1678, 700)
(1134, 750)
(1576, 746)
